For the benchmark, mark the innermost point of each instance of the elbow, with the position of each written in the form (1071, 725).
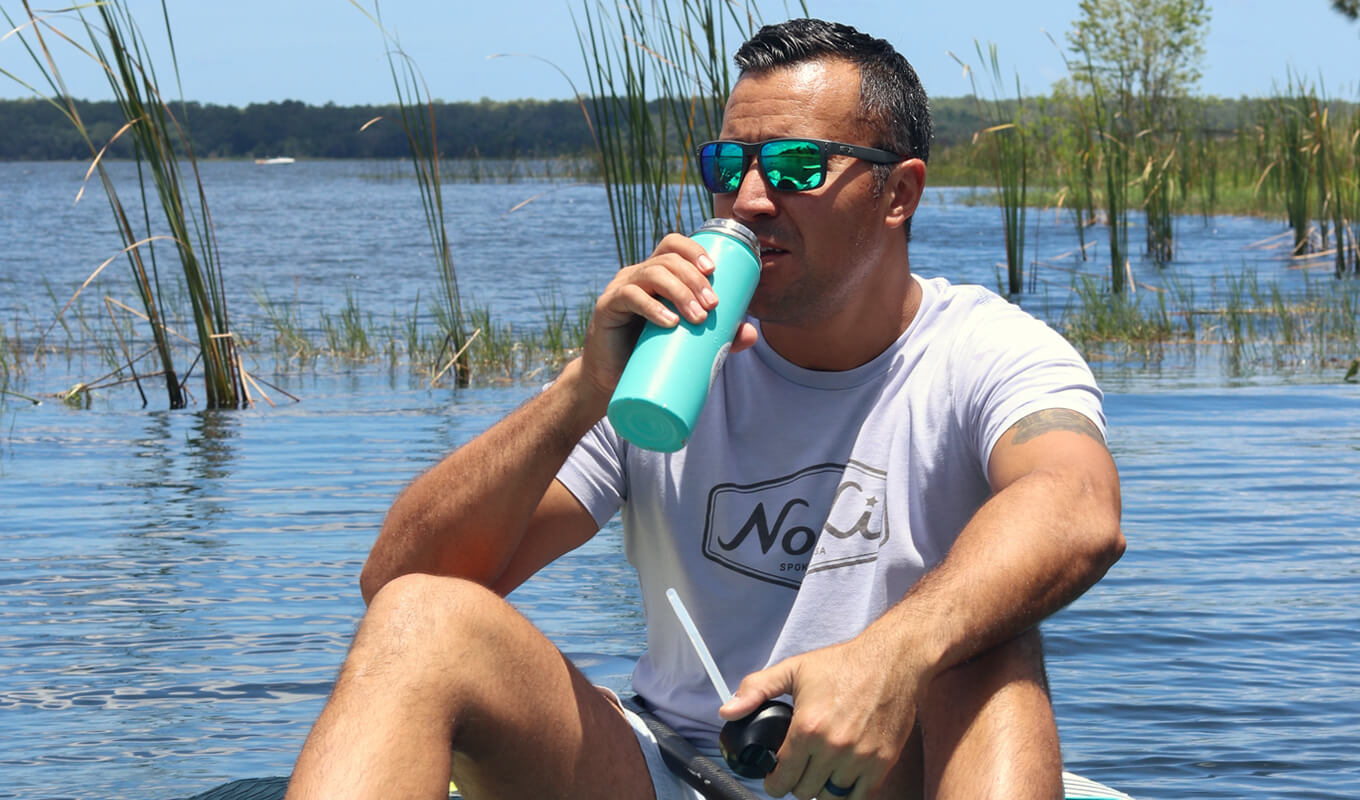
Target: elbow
(369, 582)
(379, 567)
(1107, 539)
(1113, 546)
(373, 576)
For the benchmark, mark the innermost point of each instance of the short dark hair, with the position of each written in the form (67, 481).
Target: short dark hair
(892, 102)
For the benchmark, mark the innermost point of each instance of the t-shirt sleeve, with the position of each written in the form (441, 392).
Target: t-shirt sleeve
(594, 472)
(1013, 365)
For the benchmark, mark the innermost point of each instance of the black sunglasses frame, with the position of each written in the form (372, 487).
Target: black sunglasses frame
(825, 148)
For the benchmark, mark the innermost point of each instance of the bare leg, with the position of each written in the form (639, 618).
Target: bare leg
(444, 674)
(988, 728)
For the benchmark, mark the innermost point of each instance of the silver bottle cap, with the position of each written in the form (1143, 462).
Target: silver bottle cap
(734, 229)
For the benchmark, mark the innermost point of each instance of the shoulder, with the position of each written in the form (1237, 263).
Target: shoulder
(978, 323)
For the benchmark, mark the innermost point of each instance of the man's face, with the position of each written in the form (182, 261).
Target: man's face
(819, 248)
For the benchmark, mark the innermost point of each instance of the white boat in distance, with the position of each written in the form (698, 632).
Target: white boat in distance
(275, 160)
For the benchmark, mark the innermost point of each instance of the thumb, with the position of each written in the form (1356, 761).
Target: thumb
(745, 337)
(756, 688)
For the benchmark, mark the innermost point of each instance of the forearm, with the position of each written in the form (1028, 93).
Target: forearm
(468, 514)
(1031, 549)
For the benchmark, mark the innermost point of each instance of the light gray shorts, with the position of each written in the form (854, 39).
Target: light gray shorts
(666, 784)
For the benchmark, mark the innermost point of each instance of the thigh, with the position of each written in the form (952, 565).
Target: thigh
(904, 781)
(988, 727)
(523, 721)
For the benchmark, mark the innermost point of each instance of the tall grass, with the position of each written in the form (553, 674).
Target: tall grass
(162, 150)
(416, 109)
(1257, 323)
(352, 335)
(1338, 186)
(1159, 152)
(658, 78)
(1287, 127)
(1009, 150)
(1310, 166)
(1114, 141)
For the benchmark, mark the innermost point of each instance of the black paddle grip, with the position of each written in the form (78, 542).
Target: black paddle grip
(749, 744)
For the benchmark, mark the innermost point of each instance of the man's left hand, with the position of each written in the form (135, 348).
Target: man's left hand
(854, 705)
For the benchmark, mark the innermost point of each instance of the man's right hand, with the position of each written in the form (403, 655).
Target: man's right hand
(676, 271)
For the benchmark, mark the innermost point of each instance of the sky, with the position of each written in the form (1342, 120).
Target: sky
(319, 51)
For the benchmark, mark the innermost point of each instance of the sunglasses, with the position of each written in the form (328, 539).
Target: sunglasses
(790, 165)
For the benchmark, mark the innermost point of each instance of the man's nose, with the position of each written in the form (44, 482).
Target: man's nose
(754, 197)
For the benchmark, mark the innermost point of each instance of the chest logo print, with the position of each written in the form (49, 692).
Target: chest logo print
(818, 518)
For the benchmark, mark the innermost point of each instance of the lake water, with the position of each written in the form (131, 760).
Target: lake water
(178, 588)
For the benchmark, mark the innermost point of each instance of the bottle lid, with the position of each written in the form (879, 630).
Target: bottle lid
(734, 229)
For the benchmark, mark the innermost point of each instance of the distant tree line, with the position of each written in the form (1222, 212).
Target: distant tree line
(35, 131)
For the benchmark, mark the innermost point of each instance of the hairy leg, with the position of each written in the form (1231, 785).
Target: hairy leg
(443, 676)
(988, 728)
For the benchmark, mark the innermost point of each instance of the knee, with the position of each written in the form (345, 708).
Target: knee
(989, 722)
(1008, 680)
(1016, 661)
(418, 618)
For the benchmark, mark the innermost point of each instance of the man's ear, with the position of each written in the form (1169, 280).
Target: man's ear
(903, 190)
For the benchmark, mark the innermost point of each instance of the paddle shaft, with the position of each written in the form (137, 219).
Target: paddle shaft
(693, 767)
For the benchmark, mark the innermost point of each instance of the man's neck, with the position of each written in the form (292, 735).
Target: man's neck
(851, 338)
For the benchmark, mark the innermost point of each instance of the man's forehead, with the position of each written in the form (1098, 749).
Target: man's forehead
(814, 98)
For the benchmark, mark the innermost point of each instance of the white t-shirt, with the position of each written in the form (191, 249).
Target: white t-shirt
(806, 503)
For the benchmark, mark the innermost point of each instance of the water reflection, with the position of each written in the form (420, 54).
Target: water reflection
(181, 466)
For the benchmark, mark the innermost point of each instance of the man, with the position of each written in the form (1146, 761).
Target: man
(893, 482)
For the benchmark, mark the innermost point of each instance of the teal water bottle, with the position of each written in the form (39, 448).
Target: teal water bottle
(664, 386)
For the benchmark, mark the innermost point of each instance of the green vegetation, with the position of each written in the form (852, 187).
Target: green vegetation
(487, 129)
(1255, 322)
(1142, 57)
(148, 122)
(417, 122)
(1006, 144)
(632, 55)
(1123, 134)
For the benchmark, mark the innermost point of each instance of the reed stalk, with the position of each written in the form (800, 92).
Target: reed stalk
(1337, 186)
(658, 80)
(1164, 178)
(1205, 171)
(1114, 142)
(162, 148)
(346, 333)
(416, 110)
(1293, 160)
(1075, 139)
(1250, 318)
(1009, 151)
(1158, 182)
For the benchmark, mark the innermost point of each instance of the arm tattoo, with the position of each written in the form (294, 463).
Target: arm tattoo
(1055, 419)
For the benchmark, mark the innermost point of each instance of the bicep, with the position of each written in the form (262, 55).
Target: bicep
(1057, 441)
(559, 525)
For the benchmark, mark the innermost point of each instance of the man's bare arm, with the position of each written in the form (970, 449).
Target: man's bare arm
(470, 513)
(1048, 533)
(492, 512)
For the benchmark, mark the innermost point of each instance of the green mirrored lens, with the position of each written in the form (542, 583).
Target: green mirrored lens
(792, 166)
(721, 165)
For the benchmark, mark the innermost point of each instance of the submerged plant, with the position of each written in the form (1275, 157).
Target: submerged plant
(162, 150)
(658, 77)
(1009, 152)
(416, 108)
(1113, 142)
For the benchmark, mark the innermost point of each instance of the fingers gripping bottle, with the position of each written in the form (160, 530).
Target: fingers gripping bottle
(667, 378)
